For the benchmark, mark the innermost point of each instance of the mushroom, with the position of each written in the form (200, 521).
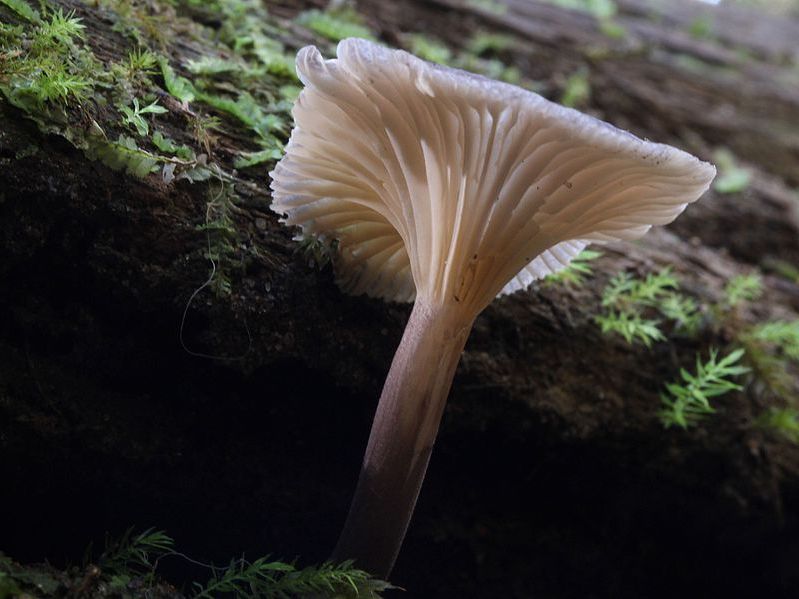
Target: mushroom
(446, 188)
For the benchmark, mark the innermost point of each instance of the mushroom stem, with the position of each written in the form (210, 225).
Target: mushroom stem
(403, 433)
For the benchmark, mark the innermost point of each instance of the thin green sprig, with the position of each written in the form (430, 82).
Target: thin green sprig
(784, 421)
(743, 288)
(265, 579)
(135, 551)
(630, 303)
(135, 115)
(577, 271)
(784, 335)
(633, 327)
(685, 403)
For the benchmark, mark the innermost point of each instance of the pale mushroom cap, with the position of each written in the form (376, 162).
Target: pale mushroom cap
(448, 185)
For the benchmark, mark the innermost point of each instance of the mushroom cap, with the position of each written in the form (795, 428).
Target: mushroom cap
(441, 183)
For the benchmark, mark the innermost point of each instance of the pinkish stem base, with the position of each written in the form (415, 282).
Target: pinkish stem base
(403, 433)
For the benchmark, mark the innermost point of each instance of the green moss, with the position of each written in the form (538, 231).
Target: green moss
(489, 6)
(742, 288)
(577, 270)
(429, 49)
(179, 87)
(16, 581)
(132, 73)
(703, 68)
(123, 155)
(577, 91)
(249, 159)
(336, 25)
(136, 116)
(701, 27)
(772, 373)
(687, 401)
(146, 115)
(783, 421)
(632, 307)
(169, 146)
(603, 11)
(22, 9)
(289, 93)
(248, 31)
(213, 65)
(612, 29)
(222, 236)
(249, 87)
(143, 23)
(489, 67)
(52, 69)
(784, 269)
(732, 178)
(782, 336)
(272, 579)
(682, 310)
(128, 568)
(248, 112)
(203, 127)
(434, 50)
(633, 327)
(485, 42)
(141, 61)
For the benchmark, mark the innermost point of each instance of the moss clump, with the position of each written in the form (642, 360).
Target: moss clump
(577, 90)
(631, 307)
(127, 569)
(45, 68)
(486, 42)
(687, 401)
(429, 49)
(433, 50)
(783, 421)
(148, 115)
(336, 24)
(576, 272)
